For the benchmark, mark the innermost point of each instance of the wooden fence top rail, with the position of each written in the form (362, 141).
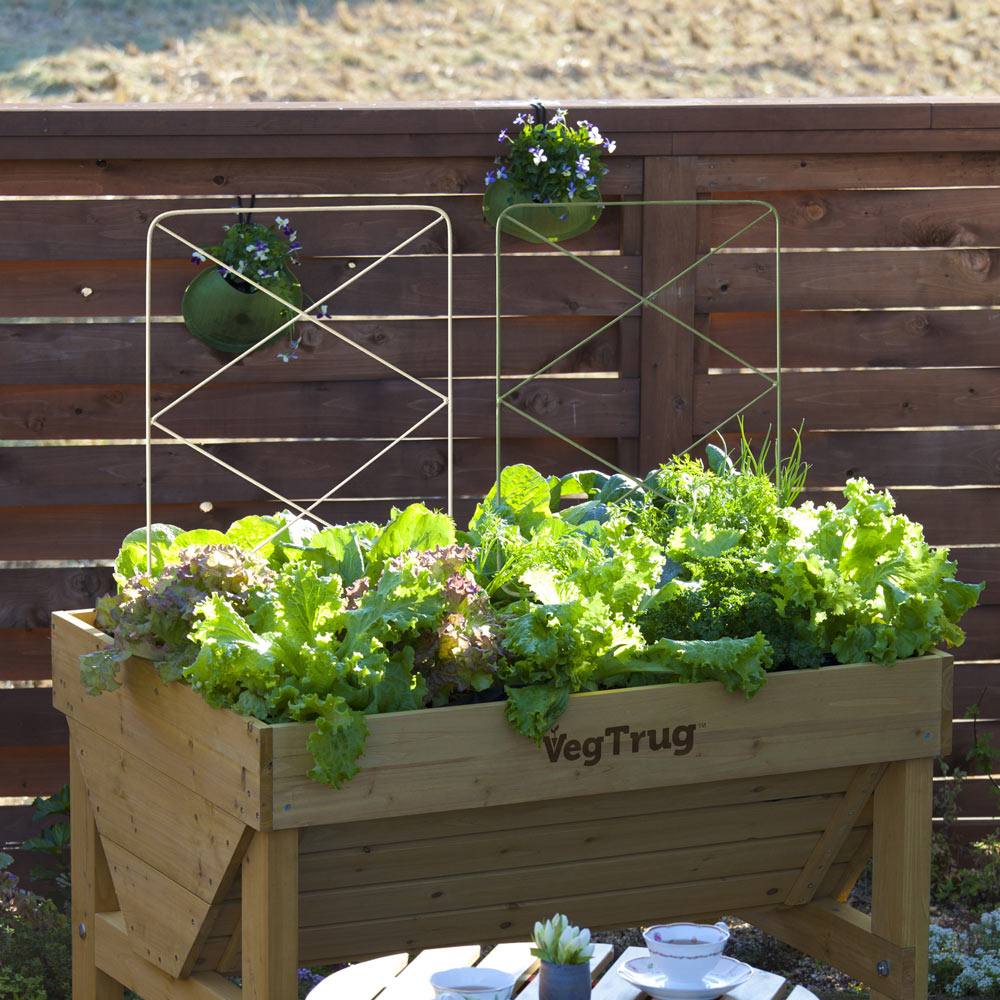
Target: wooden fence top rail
(293, 130)
(445, 117)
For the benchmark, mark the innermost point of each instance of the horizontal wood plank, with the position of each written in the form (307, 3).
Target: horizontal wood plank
(977, 685)
(189, 146)
(828, 783)
(29, 770)
(29, 596)
(115, 474)
(938, 458)
(805, 143)
(483, 851)
(328, 226)
(232, 176)
(27, 719)
(979, 798)
(982, 633)
(979, 565)
(857, 339)
(398, 744)
(95, 532)
(16, 824)
(412, 286)
(849, 400)
(107, 353)
(823, 218)
(419, 897)
(597, 910)
(824, 171)
(373, 409)
(435, 117)
(964, 734)
(25, 654)
(866, 279)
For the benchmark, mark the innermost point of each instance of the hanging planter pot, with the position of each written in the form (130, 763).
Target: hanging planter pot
(547, 179)
(556, 222)
(230, 315)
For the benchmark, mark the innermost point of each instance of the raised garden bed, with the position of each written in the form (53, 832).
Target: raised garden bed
(200, 847)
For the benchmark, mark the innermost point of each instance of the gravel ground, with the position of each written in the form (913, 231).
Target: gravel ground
(365, 50)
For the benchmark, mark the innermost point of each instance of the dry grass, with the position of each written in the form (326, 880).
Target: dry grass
(368, 50)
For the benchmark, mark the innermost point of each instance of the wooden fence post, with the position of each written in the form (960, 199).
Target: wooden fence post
(667, 350)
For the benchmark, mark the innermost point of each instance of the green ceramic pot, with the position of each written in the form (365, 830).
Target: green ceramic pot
(231, 319)
(555, 223)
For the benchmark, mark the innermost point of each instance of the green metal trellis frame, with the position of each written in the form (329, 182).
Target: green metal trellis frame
(773, 382)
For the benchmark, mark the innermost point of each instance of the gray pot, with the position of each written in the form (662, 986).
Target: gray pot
(564, 982)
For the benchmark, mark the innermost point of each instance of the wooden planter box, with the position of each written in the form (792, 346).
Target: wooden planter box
(200, 847)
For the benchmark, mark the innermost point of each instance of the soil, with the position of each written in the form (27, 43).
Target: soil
(558, 50)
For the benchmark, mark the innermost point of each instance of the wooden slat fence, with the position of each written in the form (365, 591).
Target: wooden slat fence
(890, 279)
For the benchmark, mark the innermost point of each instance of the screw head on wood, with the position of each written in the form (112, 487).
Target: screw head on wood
(83, 931)
(882, 968)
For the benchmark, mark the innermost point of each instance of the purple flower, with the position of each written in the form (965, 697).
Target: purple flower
(538, 155)
(197, 257)
(502, 135)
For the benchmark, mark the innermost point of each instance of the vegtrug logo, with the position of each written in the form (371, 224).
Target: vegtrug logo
(618, 740)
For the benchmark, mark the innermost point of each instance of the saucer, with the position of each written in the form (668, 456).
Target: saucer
(727, 974)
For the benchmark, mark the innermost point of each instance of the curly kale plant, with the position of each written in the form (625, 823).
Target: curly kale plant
(731, 594)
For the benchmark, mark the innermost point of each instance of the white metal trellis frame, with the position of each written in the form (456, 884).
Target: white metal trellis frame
(312, 314)
(773, 382)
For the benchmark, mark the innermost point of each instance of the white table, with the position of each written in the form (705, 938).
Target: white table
(395, 977)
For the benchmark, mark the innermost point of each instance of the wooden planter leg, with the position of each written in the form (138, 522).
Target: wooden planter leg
(92, 891)
(270, 916)
(901, 868)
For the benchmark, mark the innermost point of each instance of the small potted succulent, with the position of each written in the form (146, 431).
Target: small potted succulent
(551, 172)
(565, 952)
(246, 295)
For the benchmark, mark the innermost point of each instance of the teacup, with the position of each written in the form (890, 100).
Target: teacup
(686, 953)
(473, 983)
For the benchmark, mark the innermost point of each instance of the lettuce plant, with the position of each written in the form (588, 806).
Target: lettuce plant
(559, 585)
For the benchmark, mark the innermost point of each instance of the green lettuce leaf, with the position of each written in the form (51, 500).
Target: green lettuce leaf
(338, 741)
(339, 550)
(739, 664)
(534, 708)
(416, 527)
(131, 558)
